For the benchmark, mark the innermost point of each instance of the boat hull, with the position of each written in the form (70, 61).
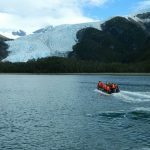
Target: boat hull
(109, 93)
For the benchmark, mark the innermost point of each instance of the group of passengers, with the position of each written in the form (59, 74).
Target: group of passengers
(108, 87)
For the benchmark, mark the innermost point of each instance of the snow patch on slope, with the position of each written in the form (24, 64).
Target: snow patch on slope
(50, 41)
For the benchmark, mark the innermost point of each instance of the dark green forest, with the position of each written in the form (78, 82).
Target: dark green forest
(68, 65)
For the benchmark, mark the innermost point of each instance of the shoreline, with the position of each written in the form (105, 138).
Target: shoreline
(112, 74)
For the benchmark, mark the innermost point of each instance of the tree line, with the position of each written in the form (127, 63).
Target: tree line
(70, 65)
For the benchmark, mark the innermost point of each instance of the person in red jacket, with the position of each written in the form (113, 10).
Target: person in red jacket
(107, 89)
(104, 87)
(100, 84)
(113, 86)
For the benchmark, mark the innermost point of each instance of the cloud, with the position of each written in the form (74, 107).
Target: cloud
(143, 5)
(31, 15)
(95, 2)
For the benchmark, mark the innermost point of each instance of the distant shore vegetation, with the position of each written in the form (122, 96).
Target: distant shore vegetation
(70, 65)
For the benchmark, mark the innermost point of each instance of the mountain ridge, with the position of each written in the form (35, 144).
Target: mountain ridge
(121, 40)
(114, 37)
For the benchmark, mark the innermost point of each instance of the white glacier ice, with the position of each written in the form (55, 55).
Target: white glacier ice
(50, 41)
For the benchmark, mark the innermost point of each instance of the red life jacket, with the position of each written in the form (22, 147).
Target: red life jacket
(100, 84)
(104, 86)
(113, 86)
(107, 88)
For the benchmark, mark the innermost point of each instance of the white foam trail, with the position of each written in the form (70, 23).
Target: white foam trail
(102, 93)
(128, 96)
(142, 94)
(133, 96)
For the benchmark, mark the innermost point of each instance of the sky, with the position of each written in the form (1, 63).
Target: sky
(30, 15)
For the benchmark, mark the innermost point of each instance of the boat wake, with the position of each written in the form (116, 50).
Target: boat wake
(133, 96)
(102, 93)
(128, 96)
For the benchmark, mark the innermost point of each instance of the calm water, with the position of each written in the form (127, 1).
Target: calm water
(66, 112)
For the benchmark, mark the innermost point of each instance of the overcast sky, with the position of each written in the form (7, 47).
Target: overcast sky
(30, 15)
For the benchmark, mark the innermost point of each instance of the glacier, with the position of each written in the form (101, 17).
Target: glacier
(49, 41)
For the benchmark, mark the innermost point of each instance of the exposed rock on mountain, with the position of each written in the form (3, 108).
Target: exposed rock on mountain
(3, 47)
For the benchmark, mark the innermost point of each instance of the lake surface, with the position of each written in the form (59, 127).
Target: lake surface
(66, 112)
